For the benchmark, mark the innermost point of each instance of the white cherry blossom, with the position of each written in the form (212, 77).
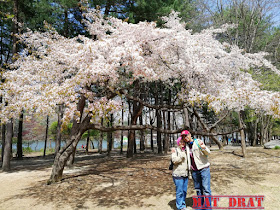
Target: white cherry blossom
(59, 70)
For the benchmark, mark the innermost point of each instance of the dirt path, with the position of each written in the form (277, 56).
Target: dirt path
(144, 182)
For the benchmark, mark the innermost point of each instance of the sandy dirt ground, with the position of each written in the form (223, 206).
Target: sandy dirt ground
(143, 182)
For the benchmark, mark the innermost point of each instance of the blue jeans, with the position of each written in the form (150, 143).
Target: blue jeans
(201, 179)
(181, 191)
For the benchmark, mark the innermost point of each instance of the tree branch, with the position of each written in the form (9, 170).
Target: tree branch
(144, 127)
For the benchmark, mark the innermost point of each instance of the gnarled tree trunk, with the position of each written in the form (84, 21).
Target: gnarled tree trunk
(67, 153)
(71, 158)
(63, 155)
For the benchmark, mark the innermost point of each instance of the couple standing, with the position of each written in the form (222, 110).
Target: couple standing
(191, 156)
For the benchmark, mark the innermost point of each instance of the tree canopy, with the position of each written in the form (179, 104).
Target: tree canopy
(58, 70)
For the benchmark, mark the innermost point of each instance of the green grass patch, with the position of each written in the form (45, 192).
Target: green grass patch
(48, 150)
(119, 147)
(277, 147)
(27, 150)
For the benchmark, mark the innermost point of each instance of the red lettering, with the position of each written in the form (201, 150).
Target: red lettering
(251, 203)
(241, 202)
(207, 201)
(232, 202)
(259, 199)
(196, 202)
(215, 201)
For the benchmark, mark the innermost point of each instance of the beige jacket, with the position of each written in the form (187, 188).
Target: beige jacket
(182, 162)
(200, 156)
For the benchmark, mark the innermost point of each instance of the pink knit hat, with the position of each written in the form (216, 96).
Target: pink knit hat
(178, 142)
(185, 132)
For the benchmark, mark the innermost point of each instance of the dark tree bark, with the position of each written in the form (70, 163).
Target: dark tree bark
(165, 140)
(175, 127)
(1, 42)
(242, 133)
(151, 123)
(3, 130)
(121, 152)
(261, 129)
(71, 159)
(254, 143)
(80, 107)
(108, 7)
(58, 131)
(159, 123)
(134, 105)
(8, 147)
(100, 140)
(168, 122)
(137, 110)
(110, 136)
(92, 145)
(66, 24)
(88, 139)
(19, 139)
(266, 126)
(142, 136)
(46, 135)
(186, 118)
(9, 126)
(15, 27)
(134, 144)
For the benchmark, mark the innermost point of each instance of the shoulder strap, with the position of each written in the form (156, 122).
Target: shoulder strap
(176, 151)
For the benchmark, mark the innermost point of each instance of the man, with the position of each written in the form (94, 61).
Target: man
(200, 168)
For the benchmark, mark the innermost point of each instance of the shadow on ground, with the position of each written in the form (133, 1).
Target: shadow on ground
(121, 182)
(172, 204)
(40, 162)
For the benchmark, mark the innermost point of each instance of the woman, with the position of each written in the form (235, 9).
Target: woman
(180, 173)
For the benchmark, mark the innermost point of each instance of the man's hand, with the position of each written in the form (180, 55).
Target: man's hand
(203, 146)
